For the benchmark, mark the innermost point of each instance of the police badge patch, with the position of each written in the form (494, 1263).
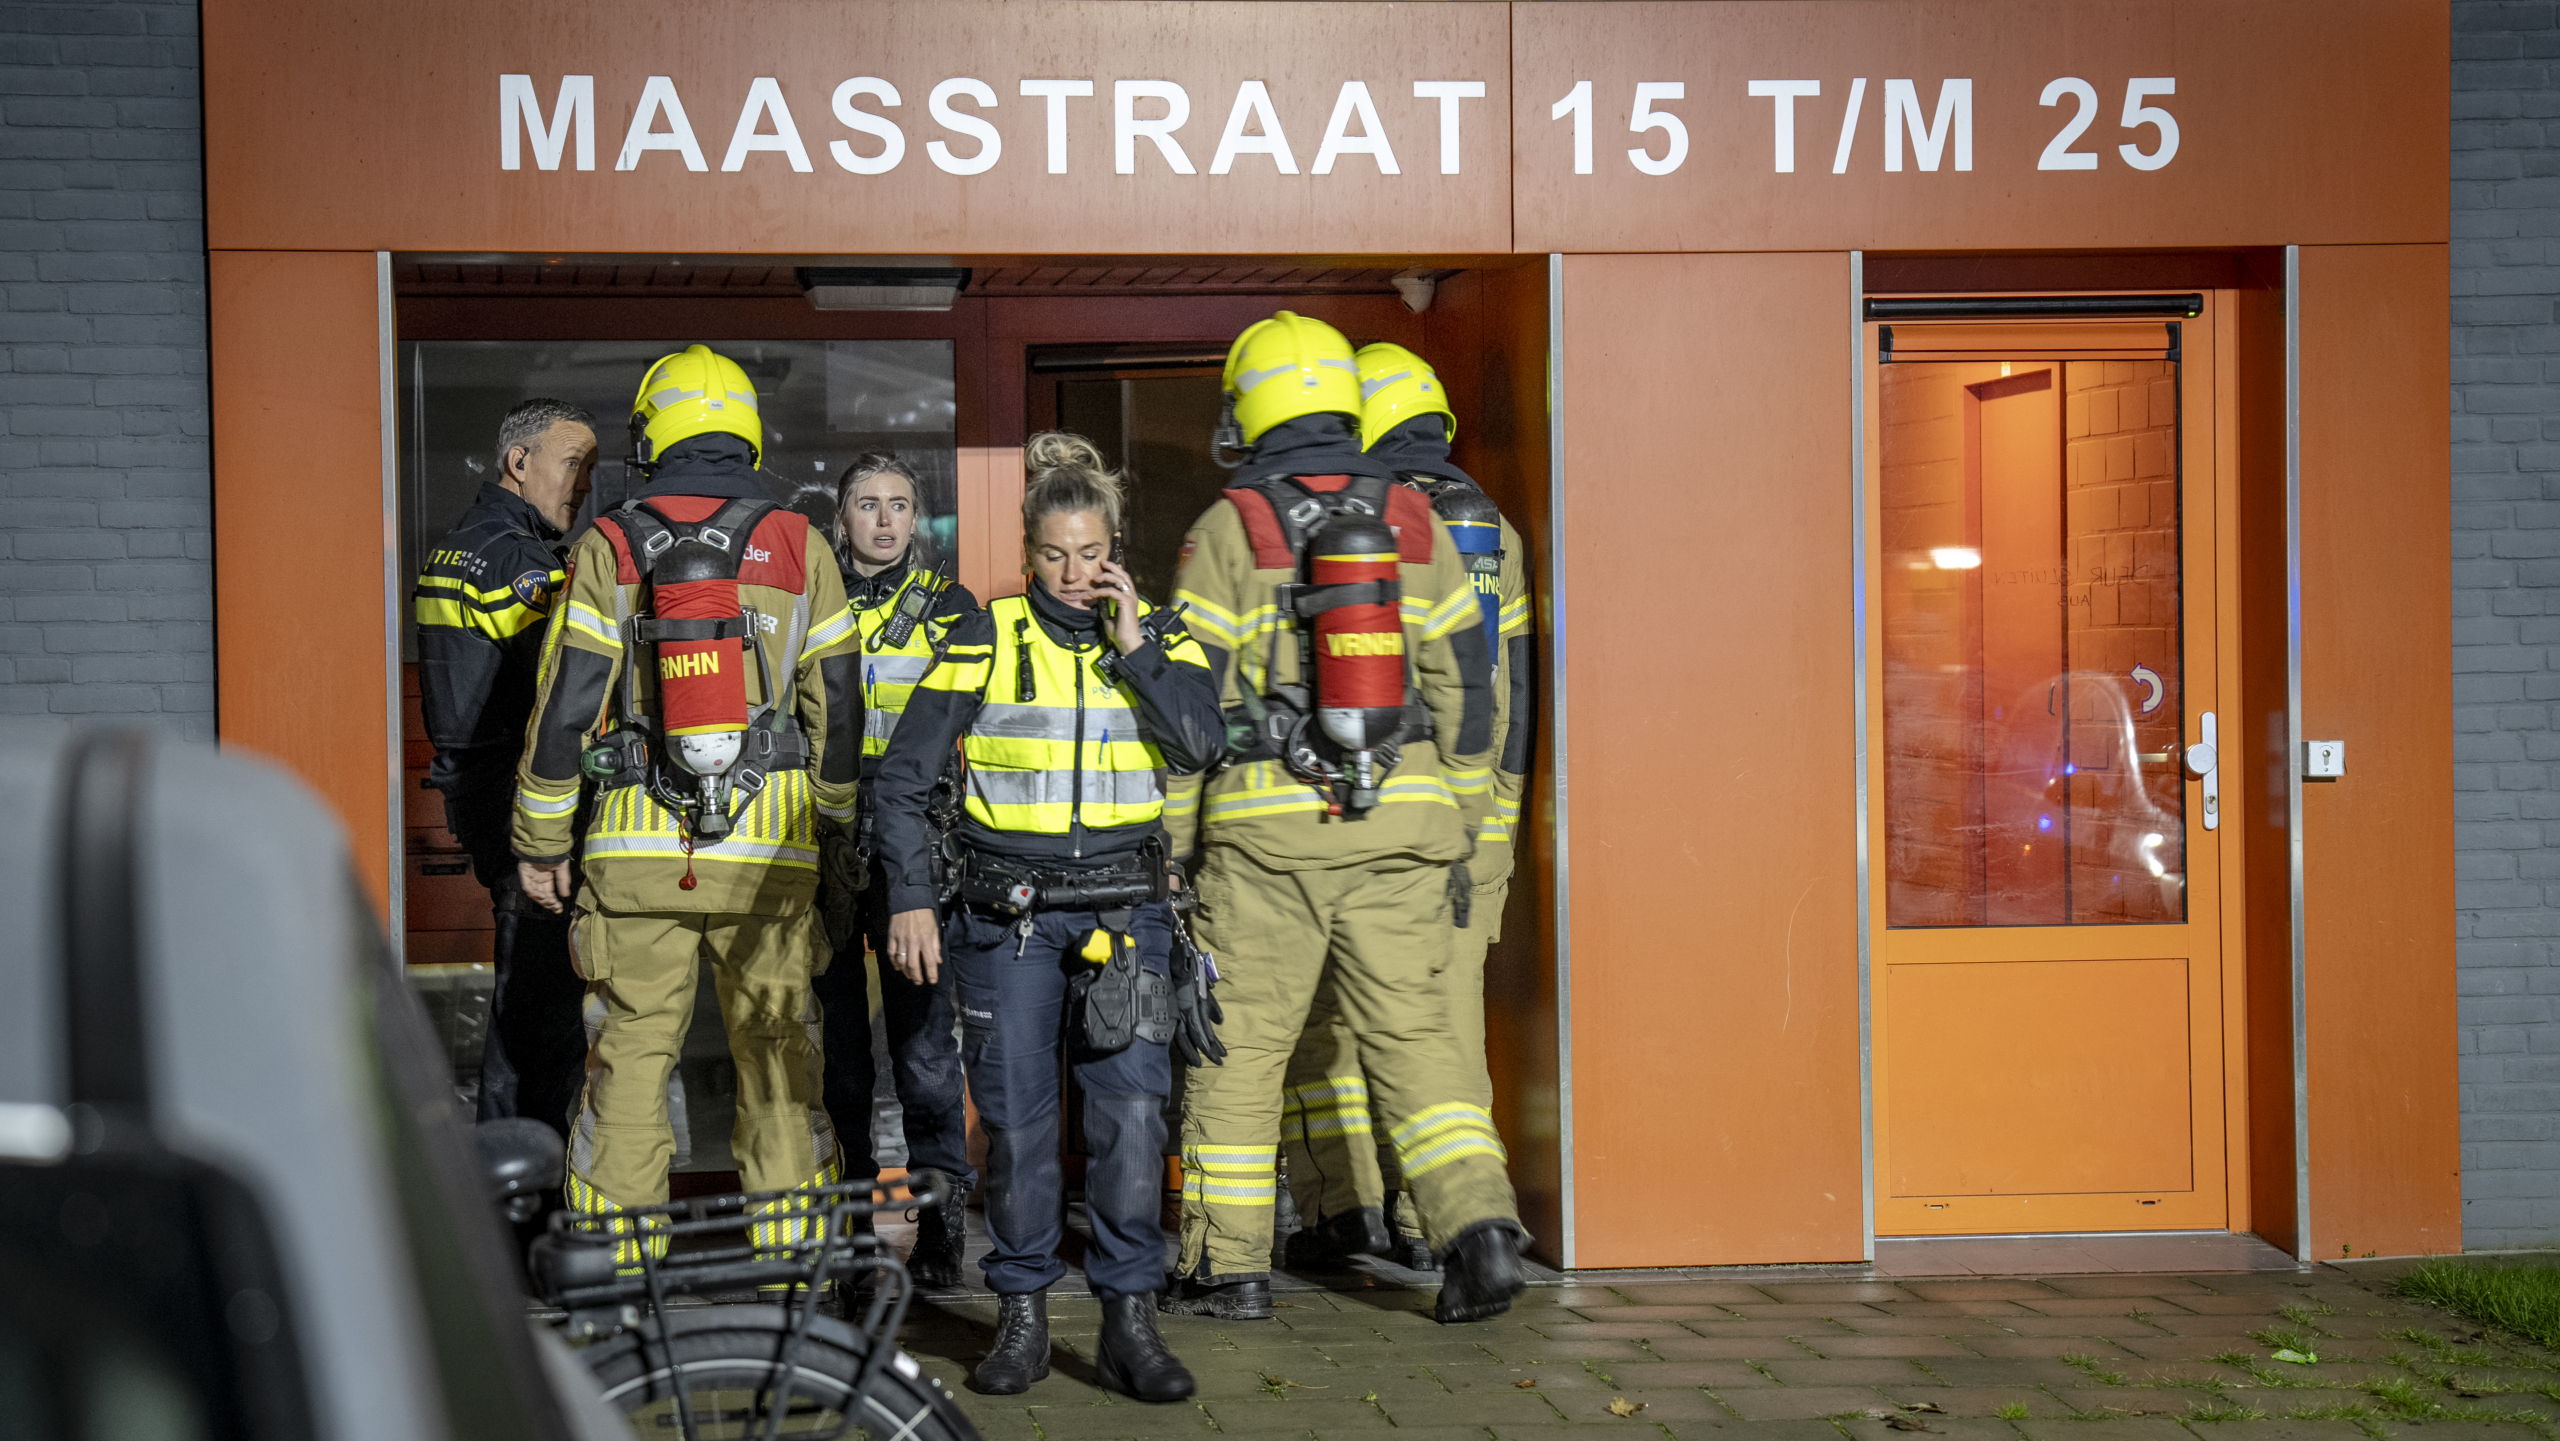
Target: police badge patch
(534, 589)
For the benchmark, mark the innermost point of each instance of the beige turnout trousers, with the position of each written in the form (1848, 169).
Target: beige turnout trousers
(1378, 935)
(640, 988)
(1341, 1157)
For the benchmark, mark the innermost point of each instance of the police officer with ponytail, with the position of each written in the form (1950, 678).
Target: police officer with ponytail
(1070, 704)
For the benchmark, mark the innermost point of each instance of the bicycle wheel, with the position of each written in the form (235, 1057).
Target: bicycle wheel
(731, 1358)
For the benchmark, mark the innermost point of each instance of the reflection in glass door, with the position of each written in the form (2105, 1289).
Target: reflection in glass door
(2031, 648)
(2046, 954)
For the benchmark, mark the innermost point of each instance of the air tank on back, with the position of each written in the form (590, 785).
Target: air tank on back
(702, 686)
(1475, 528)
(1359, 648)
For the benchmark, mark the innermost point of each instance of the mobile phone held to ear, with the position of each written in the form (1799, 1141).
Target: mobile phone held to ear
(1119, 550)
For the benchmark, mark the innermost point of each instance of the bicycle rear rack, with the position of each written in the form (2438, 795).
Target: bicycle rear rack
(575, 1266)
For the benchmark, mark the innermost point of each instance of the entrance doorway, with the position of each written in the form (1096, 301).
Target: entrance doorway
(1151, 411)
(2046, 883)
(1126, 352)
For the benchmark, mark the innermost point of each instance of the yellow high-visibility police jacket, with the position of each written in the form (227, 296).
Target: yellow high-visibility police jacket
(1068, 745)
(890, 672)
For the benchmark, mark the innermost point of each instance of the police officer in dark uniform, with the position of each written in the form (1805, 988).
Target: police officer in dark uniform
(482, 604)
(903, 607)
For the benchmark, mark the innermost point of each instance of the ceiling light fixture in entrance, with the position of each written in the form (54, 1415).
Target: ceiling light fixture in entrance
(882, 287)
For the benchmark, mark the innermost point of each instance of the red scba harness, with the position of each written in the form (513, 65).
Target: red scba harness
(1341, 726)
(689, 554)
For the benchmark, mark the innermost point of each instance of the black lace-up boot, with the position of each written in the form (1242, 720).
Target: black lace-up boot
(1020, 1354)
(1133, 1358)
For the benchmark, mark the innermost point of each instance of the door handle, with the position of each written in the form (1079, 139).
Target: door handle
(2204, 763)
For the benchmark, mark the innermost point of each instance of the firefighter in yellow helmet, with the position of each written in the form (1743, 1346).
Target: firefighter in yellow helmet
(1340, 1176)
(699, 680)
(1354, 667)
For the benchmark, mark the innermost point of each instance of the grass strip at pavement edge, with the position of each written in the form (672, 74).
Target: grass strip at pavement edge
(2522, 1299)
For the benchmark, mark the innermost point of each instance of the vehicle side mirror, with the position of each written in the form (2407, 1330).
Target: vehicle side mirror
(523, 1160)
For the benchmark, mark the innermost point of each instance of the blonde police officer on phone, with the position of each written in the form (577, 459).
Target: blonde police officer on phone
(1070, 702)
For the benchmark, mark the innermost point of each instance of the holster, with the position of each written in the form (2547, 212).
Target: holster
(1121, 1001)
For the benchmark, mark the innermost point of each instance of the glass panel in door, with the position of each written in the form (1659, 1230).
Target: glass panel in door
(2032, 664)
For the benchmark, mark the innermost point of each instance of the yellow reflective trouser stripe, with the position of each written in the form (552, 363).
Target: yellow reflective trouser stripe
(799, 1218)
(1230, 1175)
(1438, 1135)
(1334, 1106)
(590, 1203)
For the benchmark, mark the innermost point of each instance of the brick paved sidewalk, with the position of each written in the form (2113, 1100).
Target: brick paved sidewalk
(2121, 1357)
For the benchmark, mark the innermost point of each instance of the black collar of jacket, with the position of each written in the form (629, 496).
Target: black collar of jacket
(717, 464)
(1309, 445)
(1420, 446)
(497, 501)
(866, 591)
(1065, 624)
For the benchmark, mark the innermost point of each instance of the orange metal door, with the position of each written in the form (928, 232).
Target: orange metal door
(2046, 898)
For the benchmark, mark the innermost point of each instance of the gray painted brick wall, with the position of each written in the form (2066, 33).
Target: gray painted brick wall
(2506, 613)
(106, 541)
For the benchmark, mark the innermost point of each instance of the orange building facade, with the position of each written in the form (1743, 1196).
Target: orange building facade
(1979, 459)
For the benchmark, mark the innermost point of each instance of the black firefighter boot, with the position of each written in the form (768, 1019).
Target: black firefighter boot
(1133, 1358)
(1331, 1243)
(1020, 1354)
(942, 1242)
(1248, 1300)
(1482, 1272)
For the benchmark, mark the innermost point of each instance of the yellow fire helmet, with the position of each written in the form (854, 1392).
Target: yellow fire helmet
(1395, 386)
(1286, 367)
(694, 392)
